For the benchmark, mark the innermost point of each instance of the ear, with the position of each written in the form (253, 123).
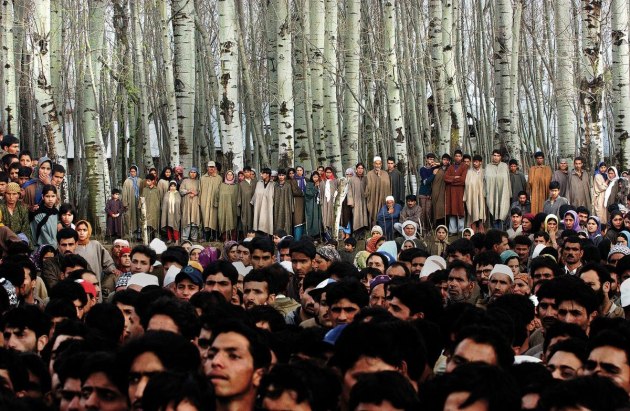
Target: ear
(531, 326)
(41, 342)
(257, 376)
(271, 299)
(404, 369)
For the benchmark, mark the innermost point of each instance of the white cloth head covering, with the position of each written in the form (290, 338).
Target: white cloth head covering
(143, 280)
(171, 273)
(158, 246)
(537, 250)
(377, 158)
(440, 261)
(625, 293)
(501, 269)
(390, 198)
(429, 268)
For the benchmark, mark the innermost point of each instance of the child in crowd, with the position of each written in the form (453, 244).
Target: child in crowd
(66, 216)
(113, 209)
(44, 224)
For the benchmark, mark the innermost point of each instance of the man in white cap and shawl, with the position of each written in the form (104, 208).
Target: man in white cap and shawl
(377, 189)
(499, 283)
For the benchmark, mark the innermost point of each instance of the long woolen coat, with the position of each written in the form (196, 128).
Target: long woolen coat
(209, 186)
(262, 201)
(377, 189)
(191, 212)
(225, 201)
(498, 190)
(243, 202)
(356, 200)
(455, 178)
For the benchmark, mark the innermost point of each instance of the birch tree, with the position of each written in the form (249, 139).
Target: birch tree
(352, 60)
(316, 64)
(230, 118)
(592, 81)
(302, 86)
(453, 98)
(286, 103)
(183, 16)
(169, 98)
(503, 41)
(331, 114)
(97, 173)
(10, 109)
(621, 80)
(397, 124)
(564, 90)
(441, 112)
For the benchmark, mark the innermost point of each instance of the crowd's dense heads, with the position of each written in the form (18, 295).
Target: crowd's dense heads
(484, 290)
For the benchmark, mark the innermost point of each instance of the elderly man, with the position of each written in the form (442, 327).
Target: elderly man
(378, 187)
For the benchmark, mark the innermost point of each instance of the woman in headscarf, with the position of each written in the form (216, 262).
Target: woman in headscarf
(312, 207)
(191, 211)
(571, 221)
(230, 251)
(324, 257)
(99, 260)
(528, 224)
(594, 230)
(551, 227)
(33, 187)
(327, 196)
(410, 233)
(440, 241)
(600, 185)
(388, 215)
(346, 210)
(164, 181)
(610, 197)
(623, 238)
(615, 226)
(370, 243)
(130, 197)
(225, 200)
(171, 218)
(467, 233)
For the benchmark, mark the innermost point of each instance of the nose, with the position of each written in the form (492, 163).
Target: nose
(140, 388)
(92, 401)
(75, 404)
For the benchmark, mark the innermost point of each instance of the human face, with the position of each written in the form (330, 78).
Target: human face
(230, 367)
(417, 264)
(455, 401)
(516, 220)
(343, 312)
(265, 176)
(483, 274)
(542, 273)
(378, 164)
(569, 221)
(132, 321)
(514, 265)
(476, 164)
(401, 311)
(527, 225)
(50, 198)
(564, 365)
(500, 284)
(458, 158)
(390, 165)
(301, 264)
(610, 362)
(621, 240)
(513, 168)
(25, 161)
(572, 253)
(540, 160)
(261, 259)
(408, 244)
(552, 225)
(244, 255)
(554, 193)
(396, 271)
(20, 339)
(409, 230)
(521, 287)
(378, 297)
(503, 246)
(591, 279)
(82, 231)
(232, 254)
(322, 313)
(459, 287)
(469, 351)
(547, 311)
(133, 172)
(320, 263)
(140, 263)
(299, 171)
(194, 254)
(572, 313)
(221, 283)
(255, 293)
(70, 395)
(99, 393)
(186, 289)
(57, 178)
(142, 368)
(13, 175)
(376, 262)
(66, 219)
(162, 322)
(441, 234)
(362, 366)
(125, 261)
(360, 170)
(617, 221)
(11, 198)
(522, 251)
(591, 226)
(67, 246)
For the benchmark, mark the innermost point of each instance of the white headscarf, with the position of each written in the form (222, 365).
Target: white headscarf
(612, 183)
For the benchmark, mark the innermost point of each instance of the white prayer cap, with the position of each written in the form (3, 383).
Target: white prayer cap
(501, 269)
(287, 265)
(440, 261)
(171, 273)
(429, 268)
(537, 250)
(625, 293)
(142, 280)
(377, 158)
(158, 246)
(121, 242)
(390, 198)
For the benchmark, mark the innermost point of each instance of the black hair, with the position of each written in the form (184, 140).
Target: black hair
(260, 275)
(66, 233)
(105, 362)
(381, 256)
(492, 336)
(318, 386)
(30, 317)
(175, 352)
(547, 262)
(487, 258)
(68, 290)
(409, 254)
(522, 240)
(146, 250)
(181, 312)
(611, 338)
(462, 246)
(48, 188)
(342, 269)
(351, 290)
(58, 168)
(9, 140)
(554, 185)
(560, 329)
(108, 320)
(63, 308)
(522, 311)
(65, 208)
(574, 289)
(175, 254)
(574, 346)
(263, 244)
(13, 273)
(591, 392)
(72, 260)
(25, 172)
(477, 157)
(494, 237)
(269, 315)
(223, 267)
(419, 298)
(11, 361)
(312, 278)
(24, 262)
(126, 297)
(279, 278)
(169, 389)
(517, 211)
(378, 387)
(457, 264)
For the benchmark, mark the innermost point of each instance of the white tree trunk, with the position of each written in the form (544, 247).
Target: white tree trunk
(503, 82)
(286, 103)
(621, 80)
(184, 38)
(352, 91)
(450, 9)
(564, 88)
(592, 81)
(46, 110)
(316, 64)
(331, 114)
(9, 113)
(441, 112)
(97, 173)
(169, 98)
(515, 144)
(142, 131)
(397, 124)
(230, 115)
(302, 86)
(272, 78)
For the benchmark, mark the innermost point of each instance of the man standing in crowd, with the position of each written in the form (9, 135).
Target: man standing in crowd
(579, 189)
(561, 175)
(377, 188)
(438, 191)
(209, 185)
(245, 193)
(539, 179)
(262, 200)
(518, 182)
(397, 181)
(455, 179)
(498, 191)
(424, 190)
(356, 199)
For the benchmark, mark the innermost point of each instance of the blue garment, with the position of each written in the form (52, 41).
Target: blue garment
(426, 179)
(386, 220)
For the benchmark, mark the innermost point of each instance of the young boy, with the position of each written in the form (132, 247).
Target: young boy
(555, 201)
(25, 159)
(412, 212)
(349, 250)
(113, 209)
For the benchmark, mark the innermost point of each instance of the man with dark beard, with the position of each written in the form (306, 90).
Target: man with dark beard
(308, 306)
(598, 278)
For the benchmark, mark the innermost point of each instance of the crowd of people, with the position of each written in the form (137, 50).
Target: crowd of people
(484, 290)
